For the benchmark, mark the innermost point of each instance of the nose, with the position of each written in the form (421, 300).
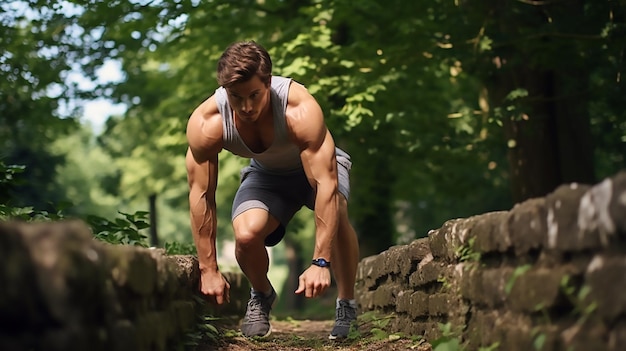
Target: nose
(246, 105)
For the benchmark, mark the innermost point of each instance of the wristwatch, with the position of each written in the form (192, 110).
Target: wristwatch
(321, 262)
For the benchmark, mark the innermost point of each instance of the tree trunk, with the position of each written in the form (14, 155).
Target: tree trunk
(154, 238)
(292, 302)
(375, 228)
(548, 131)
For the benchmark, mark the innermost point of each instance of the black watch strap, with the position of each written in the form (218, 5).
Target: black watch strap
(321, 262)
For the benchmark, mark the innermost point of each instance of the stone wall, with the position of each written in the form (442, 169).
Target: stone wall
(550, 274)
(60, 289)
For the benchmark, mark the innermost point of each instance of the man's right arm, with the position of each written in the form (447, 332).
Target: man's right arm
(204, 135)
(202, 178)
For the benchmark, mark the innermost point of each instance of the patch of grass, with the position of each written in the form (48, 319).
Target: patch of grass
(205, 331)
(451, 341)
(467, 253)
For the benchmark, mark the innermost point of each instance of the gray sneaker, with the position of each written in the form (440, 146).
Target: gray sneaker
(345, 317)
(257, 319)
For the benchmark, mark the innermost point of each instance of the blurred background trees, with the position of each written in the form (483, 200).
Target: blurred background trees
(449, 108)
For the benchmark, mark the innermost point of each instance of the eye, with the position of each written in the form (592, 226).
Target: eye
(254, 96)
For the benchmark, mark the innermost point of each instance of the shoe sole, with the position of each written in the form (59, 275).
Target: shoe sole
(269, 332)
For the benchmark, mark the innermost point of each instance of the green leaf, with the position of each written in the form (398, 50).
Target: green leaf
(519, 271)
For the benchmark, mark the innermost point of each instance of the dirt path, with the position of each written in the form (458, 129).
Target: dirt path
(295, 335)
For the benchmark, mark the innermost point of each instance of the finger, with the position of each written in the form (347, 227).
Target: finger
(227, 291)
(319, 289)
(301, 285)
(309, 290)
(219, 299)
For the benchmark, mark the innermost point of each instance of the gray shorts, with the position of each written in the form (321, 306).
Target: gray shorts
(282, 195)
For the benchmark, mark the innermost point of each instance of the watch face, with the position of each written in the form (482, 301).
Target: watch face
(321, 262)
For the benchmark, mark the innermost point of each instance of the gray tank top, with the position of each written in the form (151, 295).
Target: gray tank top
(283, 156)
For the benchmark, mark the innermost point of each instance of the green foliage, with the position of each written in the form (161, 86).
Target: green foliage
(27, 214)
(466, 252)
(421, 94)
(8, 172)
(126, 230)
(450, 340)
(10, 175)
(578, 297)
(203, 332)
(34, 58)
(177, 248)
(89, 178)
(372, 325)
(539, 341)
(378, 327)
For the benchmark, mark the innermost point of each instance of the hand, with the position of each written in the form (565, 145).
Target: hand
(214, 287)
(314, 281)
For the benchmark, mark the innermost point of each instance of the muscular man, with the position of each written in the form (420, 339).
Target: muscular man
(279, 125)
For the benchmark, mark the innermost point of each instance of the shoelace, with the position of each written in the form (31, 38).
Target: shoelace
(256, 312)
(344, 315)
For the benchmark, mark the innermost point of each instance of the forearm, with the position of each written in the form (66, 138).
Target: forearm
(203, 228)
(326, 219)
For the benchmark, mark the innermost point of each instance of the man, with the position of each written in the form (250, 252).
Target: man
(294, 162)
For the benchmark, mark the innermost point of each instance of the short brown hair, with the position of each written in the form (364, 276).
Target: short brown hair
(241, 61)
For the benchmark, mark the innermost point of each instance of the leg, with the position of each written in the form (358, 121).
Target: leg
(251, 228)
(345, 253)
(345, 257)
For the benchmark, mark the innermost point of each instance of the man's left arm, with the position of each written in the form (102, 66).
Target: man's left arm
(317, 147)
(321, 171)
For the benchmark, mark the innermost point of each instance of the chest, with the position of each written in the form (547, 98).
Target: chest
(258, 137)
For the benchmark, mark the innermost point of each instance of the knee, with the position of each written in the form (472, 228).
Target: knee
(246, 237)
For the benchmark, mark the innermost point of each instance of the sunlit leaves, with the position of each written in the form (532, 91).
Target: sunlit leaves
(402, 86)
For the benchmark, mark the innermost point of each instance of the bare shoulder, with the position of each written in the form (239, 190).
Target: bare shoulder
(204, 131)
(304, 115)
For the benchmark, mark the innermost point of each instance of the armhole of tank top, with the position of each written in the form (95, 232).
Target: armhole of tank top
(223, 109)
(287, 87)
(283, 97)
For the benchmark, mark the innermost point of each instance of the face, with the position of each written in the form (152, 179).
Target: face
(248, 99)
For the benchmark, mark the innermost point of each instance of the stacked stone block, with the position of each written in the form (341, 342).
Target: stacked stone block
(550, 274)
(60, 289)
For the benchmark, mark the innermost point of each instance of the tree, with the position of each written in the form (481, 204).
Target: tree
(33, 65)
(448, 108)
(537, 60)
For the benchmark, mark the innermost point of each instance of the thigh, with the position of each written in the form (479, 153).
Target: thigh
(278, 195)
